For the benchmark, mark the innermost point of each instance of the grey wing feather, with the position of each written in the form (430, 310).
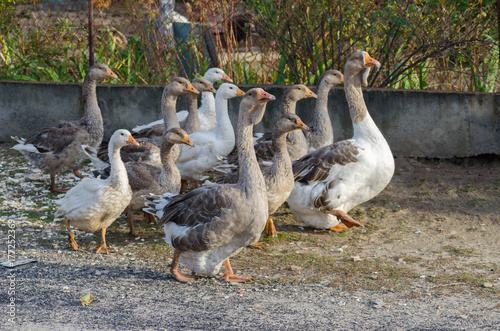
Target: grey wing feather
(316, 165)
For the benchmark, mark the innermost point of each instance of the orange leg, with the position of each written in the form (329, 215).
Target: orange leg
(230, 277)
(78, 174)
(343, 217)
(339, 227)
(103, 248)
(71, 236)
(183, 186)
(53, 187)
(174, 269)
(270, 229)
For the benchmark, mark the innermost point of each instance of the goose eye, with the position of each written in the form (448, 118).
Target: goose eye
(249, 93)
(300, 88)
(230, 88)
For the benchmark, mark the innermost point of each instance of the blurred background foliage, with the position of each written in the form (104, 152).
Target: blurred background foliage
(421, 44)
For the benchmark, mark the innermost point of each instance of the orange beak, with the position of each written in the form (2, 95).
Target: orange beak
(310, 94)
(371, 62)
(132, 141)
(187, 141)
(301, 125)
(240, 93)
(190, 89)
(226, 78)
(111, 74)
(264, 97)
(342, 79)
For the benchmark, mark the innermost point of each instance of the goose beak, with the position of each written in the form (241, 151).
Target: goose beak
(132, 141)
(341, 79)
(264, 97)
(310, 94)
(301, 125)
(240, 93)
(371, 62)
(190, 89)
(187, 141)
(212, 89)
(226, 78)
(111, 74)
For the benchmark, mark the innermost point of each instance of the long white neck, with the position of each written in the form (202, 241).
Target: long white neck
(224, 128)
(118, 171)
(363, 124)
(207, 104)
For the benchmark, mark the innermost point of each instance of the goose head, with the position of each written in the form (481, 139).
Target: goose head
(101, 71)
(203, 85)
(357, 67)
(331, 78)
(229, 91)
(180, 85)
(288, 122)
(215, 74)
(177, 136)
(298, 92)
(254, 102)
(123, 137)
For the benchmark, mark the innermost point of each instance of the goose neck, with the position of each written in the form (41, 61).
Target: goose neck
(168, 110)
(288, 105)
(91, 113)
(118, 171)
(207, 104)
(250, 176)
(321, 122)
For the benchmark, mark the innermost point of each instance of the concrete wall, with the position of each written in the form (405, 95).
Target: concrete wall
(415, 123)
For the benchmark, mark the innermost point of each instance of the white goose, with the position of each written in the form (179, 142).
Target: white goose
(333, 179)
(210, 146)
(206, 111)
(95, 203)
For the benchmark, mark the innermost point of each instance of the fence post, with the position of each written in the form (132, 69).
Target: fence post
(91, 36)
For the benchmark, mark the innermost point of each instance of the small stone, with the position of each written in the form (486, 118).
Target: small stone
(340, 250)
(487, 284)
(355, 258)
(206, 297)
(294, 268)
(373, 276)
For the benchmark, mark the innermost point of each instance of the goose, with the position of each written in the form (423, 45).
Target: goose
(320, 131)
(147, 178)
(207, 108)
(333, 179)
(278, 175)
(210, 146)
(296, 142)
(149, 150)
(191, 123)
(208, 225)
(95, 203)
(58, 148)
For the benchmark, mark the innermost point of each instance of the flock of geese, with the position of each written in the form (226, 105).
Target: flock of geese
(147, 171)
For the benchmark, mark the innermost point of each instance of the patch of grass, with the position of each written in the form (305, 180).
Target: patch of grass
(471, 187)
(467, 252)
(399, 172)
(478, 202)
(377, 212)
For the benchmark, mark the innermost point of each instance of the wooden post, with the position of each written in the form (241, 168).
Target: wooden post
(91, 35)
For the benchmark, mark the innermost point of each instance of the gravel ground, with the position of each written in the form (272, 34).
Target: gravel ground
(128, 296)
(428, 258)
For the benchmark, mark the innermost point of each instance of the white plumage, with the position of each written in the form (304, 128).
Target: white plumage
(95, 203)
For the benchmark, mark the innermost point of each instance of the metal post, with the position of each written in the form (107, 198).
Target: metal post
(91, 36)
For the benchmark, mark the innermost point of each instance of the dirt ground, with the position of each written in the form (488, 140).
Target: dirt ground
(427, 258)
